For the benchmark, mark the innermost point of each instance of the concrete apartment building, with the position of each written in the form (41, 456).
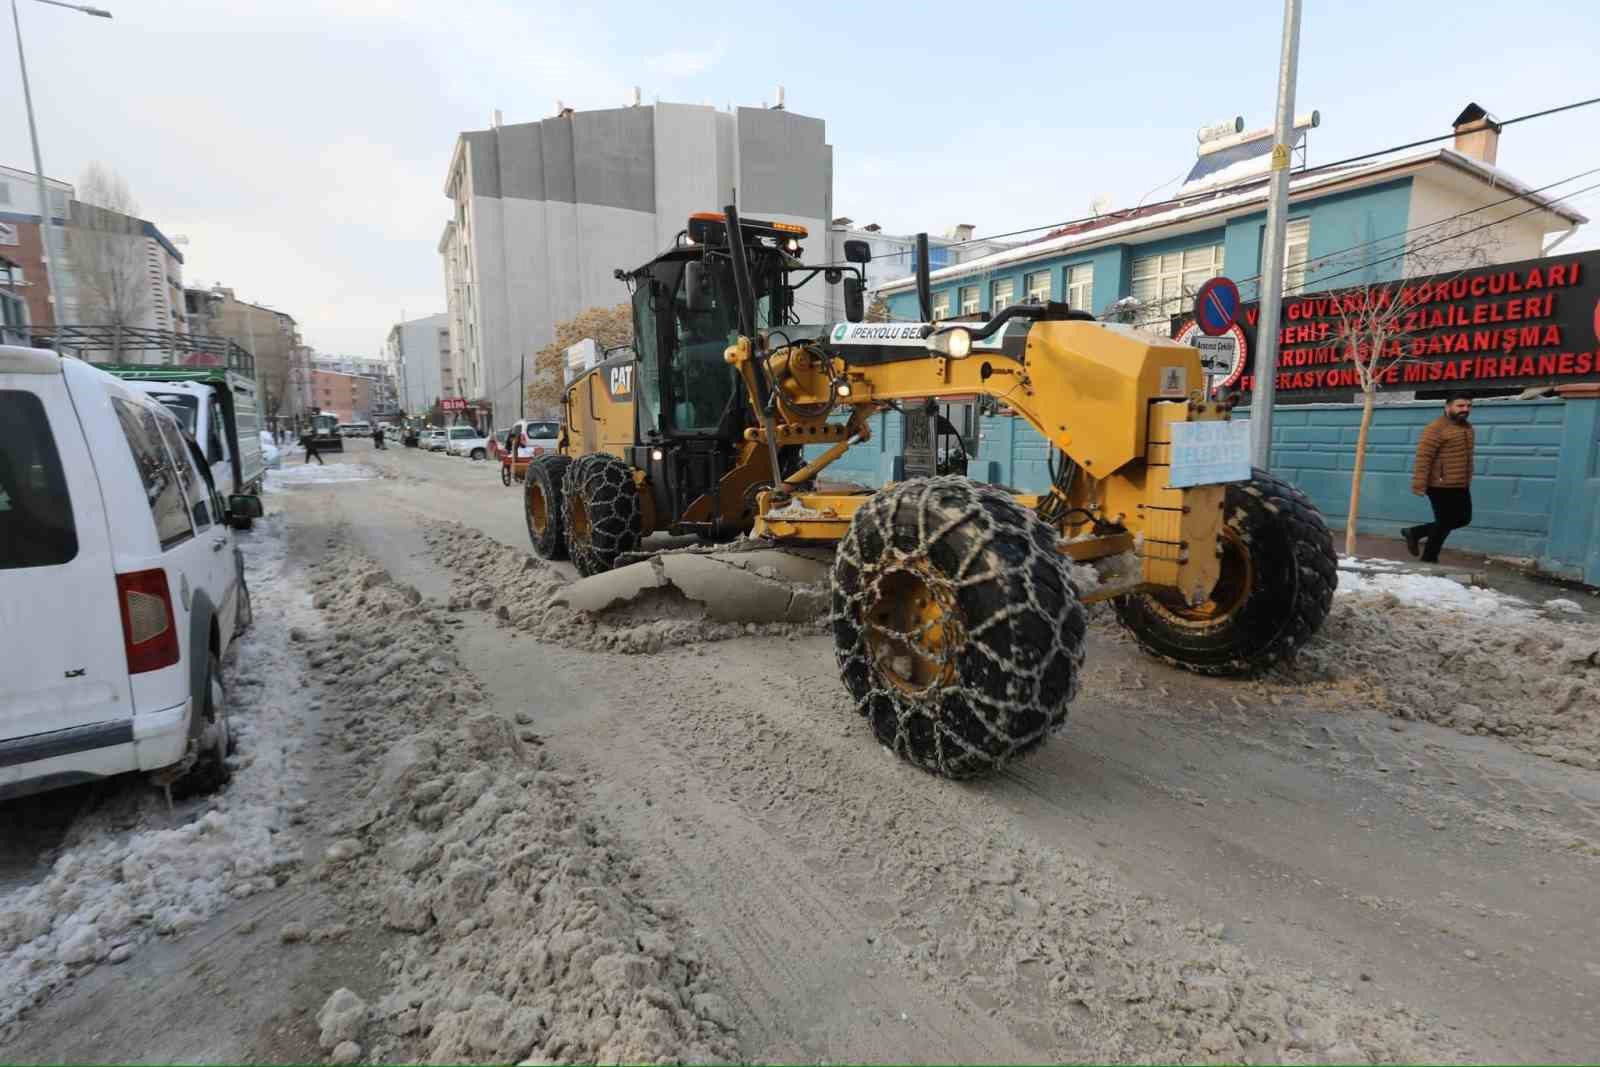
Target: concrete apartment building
(352, 397)
(419, 351)
(545, 211)
(271, 336)
(377, 372)
(132, 248)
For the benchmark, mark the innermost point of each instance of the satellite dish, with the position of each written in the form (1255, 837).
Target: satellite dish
(1101, 204)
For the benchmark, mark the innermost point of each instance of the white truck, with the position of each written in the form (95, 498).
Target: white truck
(218, 408)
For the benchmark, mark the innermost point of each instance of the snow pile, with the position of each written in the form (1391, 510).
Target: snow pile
(529, 934)
(113, 888)
(298, 475)
(1429, 591)
(518, 588)
(1507, 671)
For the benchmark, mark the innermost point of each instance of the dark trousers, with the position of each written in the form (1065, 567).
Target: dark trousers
(311, 451)
(1452, 509)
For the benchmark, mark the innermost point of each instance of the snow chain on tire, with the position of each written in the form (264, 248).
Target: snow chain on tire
(1291, 576)
(602, 485)
(542, 484)
(1002, 635)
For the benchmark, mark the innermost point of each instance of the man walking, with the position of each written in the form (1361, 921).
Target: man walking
(309, 441)
(1443, 471)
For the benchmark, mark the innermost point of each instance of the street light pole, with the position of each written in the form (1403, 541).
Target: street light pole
(1271, 303)
(46, 229)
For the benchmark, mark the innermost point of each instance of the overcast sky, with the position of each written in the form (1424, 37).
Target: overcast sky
(301, 146)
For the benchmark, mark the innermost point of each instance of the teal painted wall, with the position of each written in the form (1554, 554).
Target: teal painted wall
(1535, 487)
(1514, 484)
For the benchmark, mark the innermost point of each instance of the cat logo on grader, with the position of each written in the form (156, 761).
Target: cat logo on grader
(956, 607)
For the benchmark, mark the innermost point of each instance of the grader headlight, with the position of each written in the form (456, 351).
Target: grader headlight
(954, 343)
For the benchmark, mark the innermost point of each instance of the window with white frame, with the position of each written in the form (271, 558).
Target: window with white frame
(1296, 253)
(8, 234)
(1002, 294)
(5, 192)
(1038, 286)
(1163, 283)
(1080, 287)
(969, 299)
(941, 305)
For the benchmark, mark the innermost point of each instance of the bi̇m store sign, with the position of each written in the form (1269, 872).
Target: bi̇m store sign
(1536, 322)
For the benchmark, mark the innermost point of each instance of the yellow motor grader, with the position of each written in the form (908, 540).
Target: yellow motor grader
(957, 607)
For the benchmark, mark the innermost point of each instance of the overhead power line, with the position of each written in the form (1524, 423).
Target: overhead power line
(1256, 180)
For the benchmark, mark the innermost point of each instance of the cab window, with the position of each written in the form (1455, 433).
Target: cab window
(216, 451)
(700, 380)
(647, 392)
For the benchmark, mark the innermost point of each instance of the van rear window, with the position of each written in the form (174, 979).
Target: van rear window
(36, 527)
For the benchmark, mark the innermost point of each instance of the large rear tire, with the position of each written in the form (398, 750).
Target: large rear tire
(955, 625)
(602, 511)
(542, 506)
(1279, 572)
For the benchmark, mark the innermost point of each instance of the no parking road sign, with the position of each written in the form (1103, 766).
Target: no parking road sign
(1216, 306)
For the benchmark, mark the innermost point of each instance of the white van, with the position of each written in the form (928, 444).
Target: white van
(121, 588)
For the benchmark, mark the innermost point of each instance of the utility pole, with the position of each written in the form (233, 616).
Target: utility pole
(522, 387)
(1271, 297)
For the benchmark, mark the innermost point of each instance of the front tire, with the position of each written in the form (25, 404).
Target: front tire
(505, 474)
(1279, 573)
(602, 511)
(478, 453)
(543, 507)
(955, 625)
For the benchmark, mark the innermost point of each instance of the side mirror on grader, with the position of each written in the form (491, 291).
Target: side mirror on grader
(857, 251)
(855, 301)
(957, 608)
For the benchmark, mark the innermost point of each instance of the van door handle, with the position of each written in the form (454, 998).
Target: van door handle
(219, 544)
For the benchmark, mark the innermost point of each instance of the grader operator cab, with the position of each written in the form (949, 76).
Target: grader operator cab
(957, 607)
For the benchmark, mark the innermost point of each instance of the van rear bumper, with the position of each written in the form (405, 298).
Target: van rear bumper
(145, 742)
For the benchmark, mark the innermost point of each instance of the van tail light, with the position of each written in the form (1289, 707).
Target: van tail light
(149, 629)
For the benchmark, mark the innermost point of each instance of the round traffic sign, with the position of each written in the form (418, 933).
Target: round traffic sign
(1216, 306)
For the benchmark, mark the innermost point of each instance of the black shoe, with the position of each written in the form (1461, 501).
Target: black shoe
(1413, 542)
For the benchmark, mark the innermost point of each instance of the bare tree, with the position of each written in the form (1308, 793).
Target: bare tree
(105, 249)
(1374, 324)
(606, 326)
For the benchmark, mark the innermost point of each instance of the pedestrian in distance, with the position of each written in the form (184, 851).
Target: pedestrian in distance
(1442, 472)
(377, 437)
(309, 442)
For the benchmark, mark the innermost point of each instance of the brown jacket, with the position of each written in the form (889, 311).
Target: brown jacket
(1444, 456)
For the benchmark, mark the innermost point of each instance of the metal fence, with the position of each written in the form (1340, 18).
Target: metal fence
(137, 344)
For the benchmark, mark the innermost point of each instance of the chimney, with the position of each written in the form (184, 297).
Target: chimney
(1477, 134)
(962, 231)
(497, 119)
(872, 227)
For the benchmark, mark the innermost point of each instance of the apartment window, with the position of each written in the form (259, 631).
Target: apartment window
(1080, 287)
(1162, 283)
(941, 305)
(1296, 252)
(969, 299)
(1002, 294)
(8, 233)
(5, 193)
(1038, 286)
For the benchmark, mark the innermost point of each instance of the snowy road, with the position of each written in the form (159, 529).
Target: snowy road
(1339, 864)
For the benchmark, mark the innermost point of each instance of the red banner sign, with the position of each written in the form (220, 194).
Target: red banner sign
(453, 403)
(1536, 322)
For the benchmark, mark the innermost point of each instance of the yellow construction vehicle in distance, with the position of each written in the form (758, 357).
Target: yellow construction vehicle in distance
(957, 608)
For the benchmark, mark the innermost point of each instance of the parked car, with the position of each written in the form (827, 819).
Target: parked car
(433, 440)
(271, 454)
(467, 441)
(536, 437)
(121, 587)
